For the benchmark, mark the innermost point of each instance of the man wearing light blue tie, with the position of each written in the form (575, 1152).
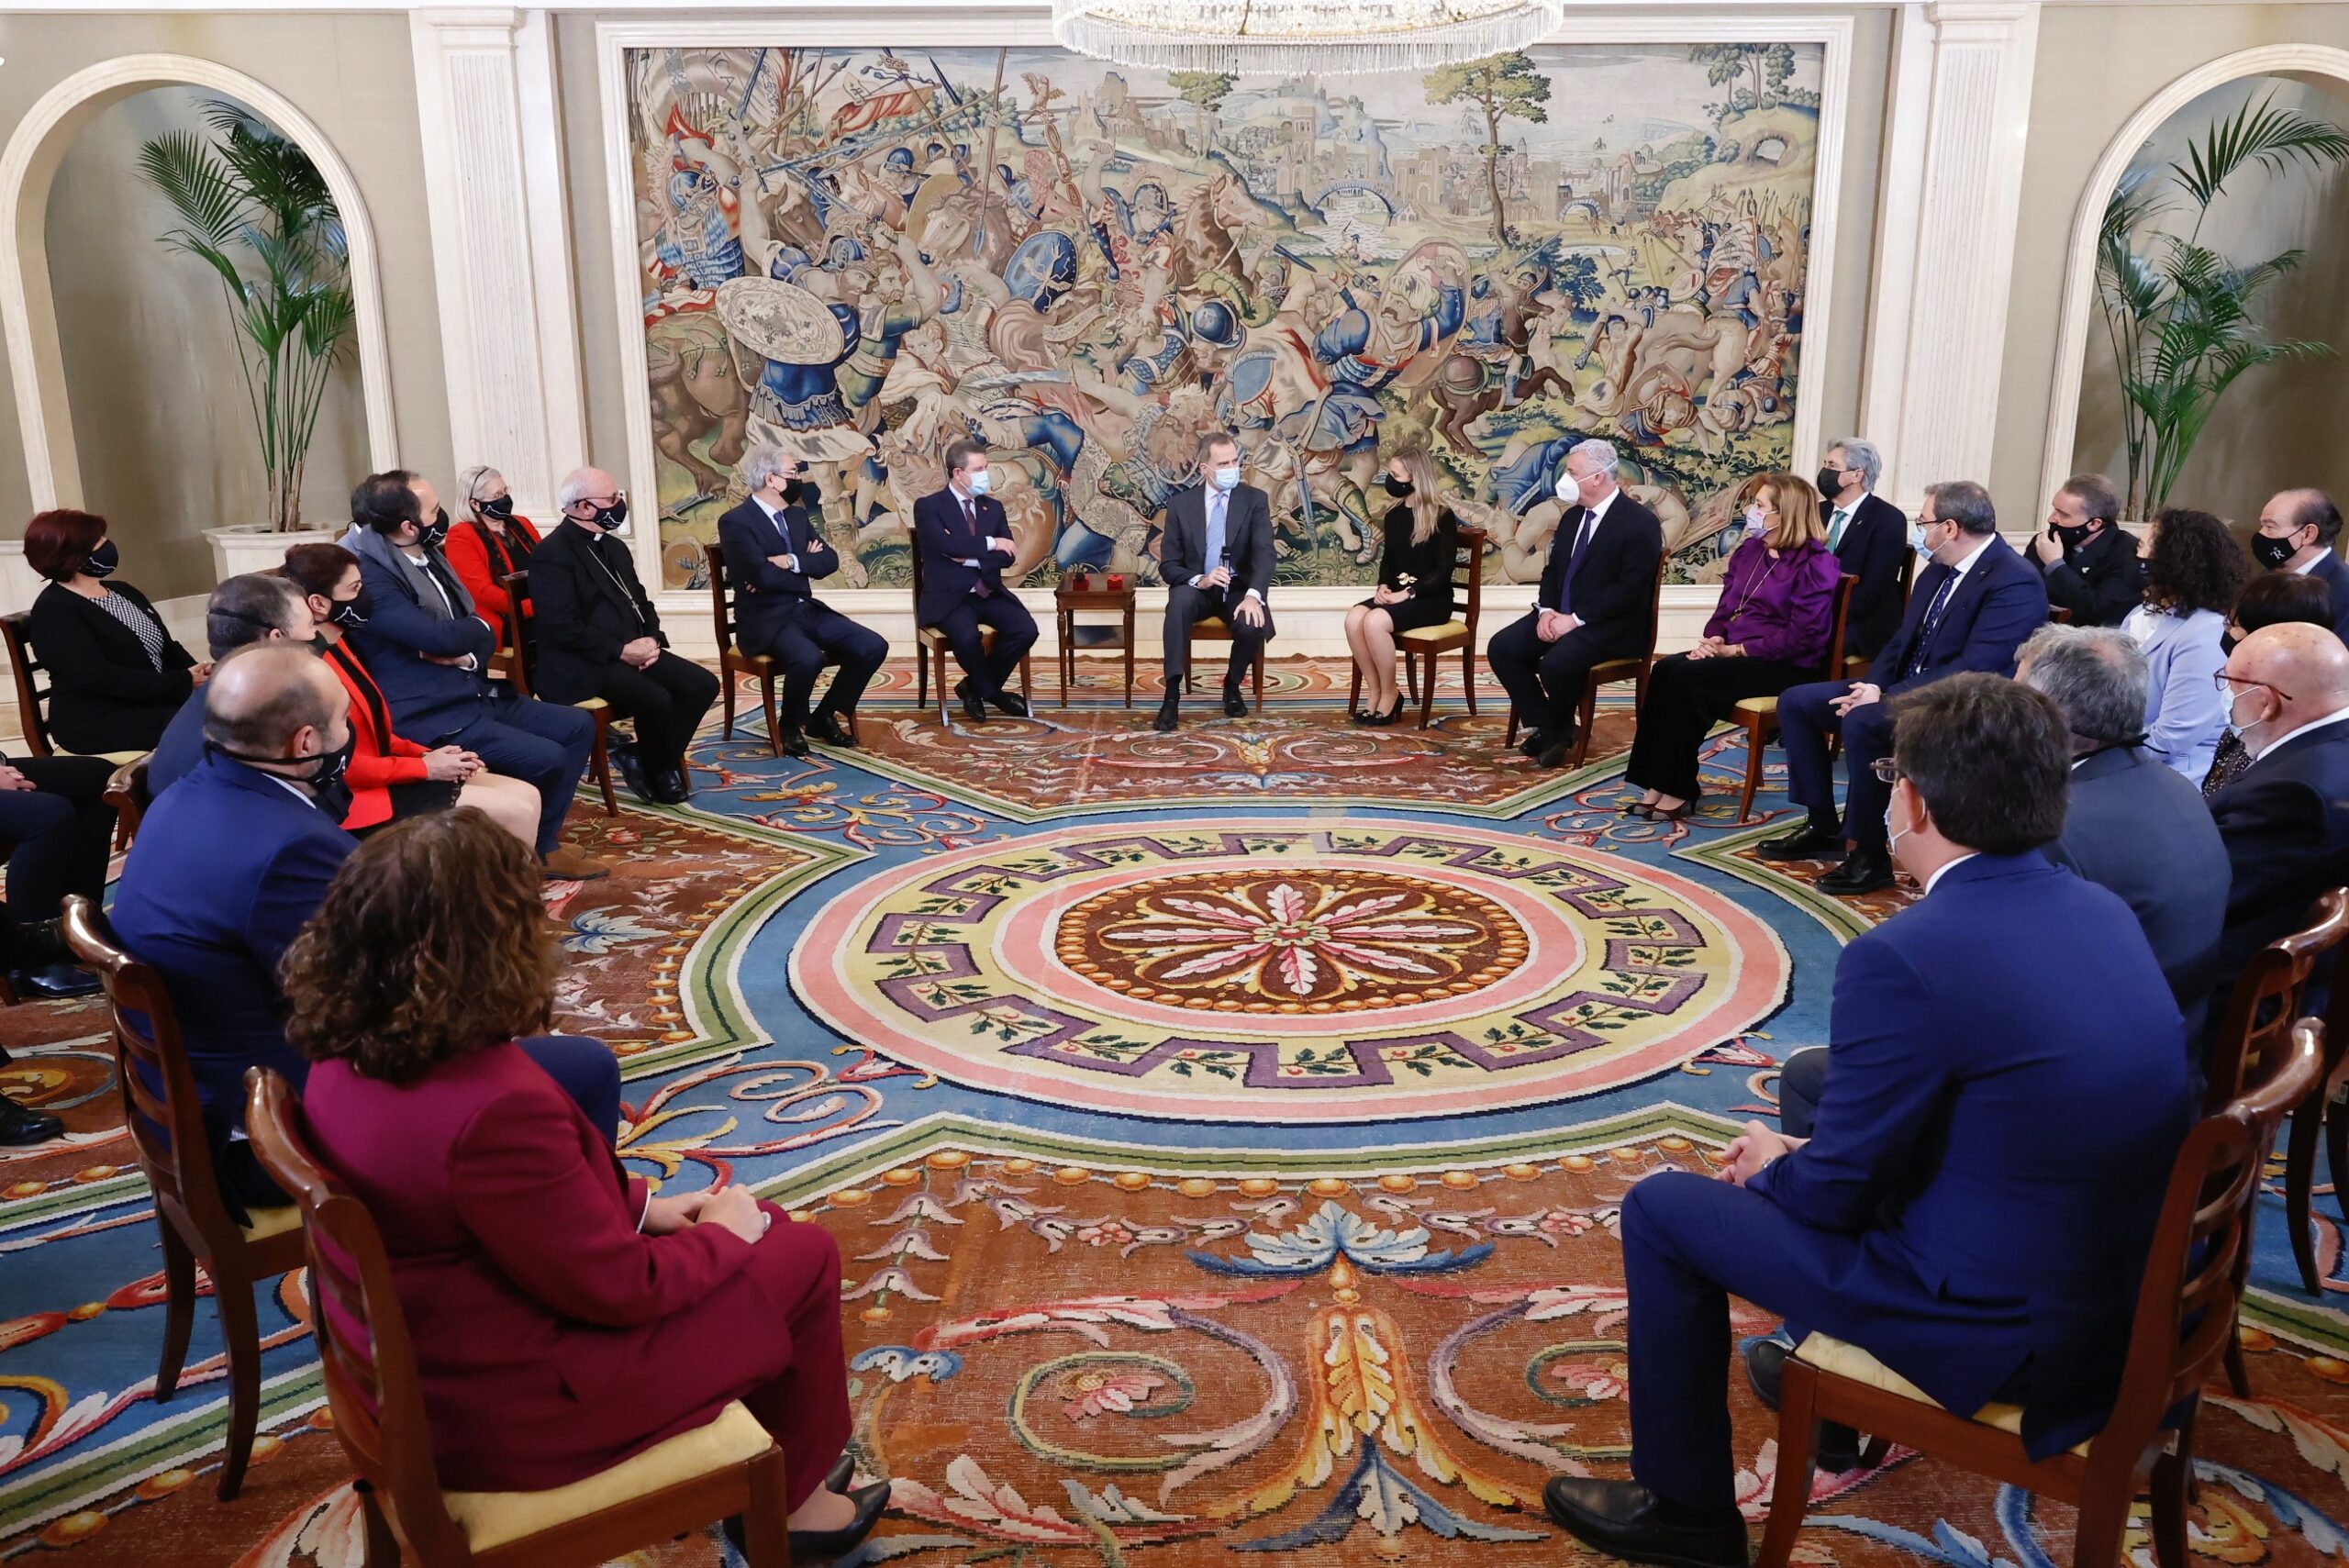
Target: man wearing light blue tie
(1217, 560)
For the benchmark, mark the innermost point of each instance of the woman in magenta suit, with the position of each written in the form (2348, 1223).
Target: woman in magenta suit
(1768, 632)
(564, 1317)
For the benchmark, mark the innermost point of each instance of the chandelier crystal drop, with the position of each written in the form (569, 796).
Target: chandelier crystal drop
(1299, 37)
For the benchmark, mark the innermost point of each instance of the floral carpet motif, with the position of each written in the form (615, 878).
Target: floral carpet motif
(1089, 1329)
(1192, 968)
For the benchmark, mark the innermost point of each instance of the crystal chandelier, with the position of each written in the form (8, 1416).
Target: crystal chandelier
(1299, 37)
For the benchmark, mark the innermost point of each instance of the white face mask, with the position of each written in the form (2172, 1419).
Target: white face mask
(1227, 477)
(1892, 836)
(1568, 491)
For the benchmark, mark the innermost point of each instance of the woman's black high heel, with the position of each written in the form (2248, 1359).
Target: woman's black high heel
(1389, 716)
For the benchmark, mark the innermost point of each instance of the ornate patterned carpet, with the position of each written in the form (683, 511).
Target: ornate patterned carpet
(1226, 1133)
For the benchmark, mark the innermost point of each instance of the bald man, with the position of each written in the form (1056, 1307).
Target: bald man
(232, 860)
(2298, 530)
(2285, 820)
(598, 636)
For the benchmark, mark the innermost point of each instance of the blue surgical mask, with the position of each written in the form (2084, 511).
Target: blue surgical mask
(980, 481)
(1227, 477)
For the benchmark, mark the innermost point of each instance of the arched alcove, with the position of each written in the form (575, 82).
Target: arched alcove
(2080, 321)
(28, 306)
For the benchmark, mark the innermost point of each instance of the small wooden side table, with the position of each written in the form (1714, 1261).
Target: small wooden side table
(1098, 598)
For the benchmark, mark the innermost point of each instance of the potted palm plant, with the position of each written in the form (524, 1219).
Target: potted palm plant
(2181, 317)
(254, 209)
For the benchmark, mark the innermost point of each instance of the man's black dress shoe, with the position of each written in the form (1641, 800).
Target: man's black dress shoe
(669, 787)
(974, 707)
(1838, 1447)
(819, 1545)
(1165, 721)
(630, 764)
(33, 943)
(794, 744)
(56, 981)
(1011, 703)
(1531, 745)
(1235, 705)
(1624, 1518)
(1863, 871)
(1808, 843)
(832, 730)
(22, 1125)
(1555, 754)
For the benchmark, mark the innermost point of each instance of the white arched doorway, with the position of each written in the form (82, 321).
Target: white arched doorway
(2080, 263)
(29, 313)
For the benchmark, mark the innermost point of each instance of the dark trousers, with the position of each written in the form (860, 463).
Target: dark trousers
(1802, 1079)
(804, 644)
(1015, 634)
(1690, 1242)
(1687, 697)
(61, 829)
(545, 745)
(1544, 680)
(1805, 721)
(582, 1068)
(668, 698)
(1185, 607)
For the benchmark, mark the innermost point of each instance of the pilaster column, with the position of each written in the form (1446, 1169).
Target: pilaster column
(1953, 184)
(488, 101)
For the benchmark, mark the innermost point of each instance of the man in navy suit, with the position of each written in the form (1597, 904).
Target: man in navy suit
(1870, 539)
(2285, 820)
(1215, 558)
(774, 548)
(1970, 610)
(1975, 1208)
(2298, 531)
(1596, 603)
(232, 860)
(429, 652)
(964, 543)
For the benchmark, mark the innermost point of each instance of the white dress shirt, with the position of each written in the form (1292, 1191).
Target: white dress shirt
(2335, 717)
(774, 516)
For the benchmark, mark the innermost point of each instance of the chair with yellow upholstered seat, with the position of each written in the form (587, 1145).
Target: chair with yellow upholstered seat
(2184, 1321)
(1430, 642)
(727, 1466)
(1758, 717)
(32, 695)
(731, 660)
(515, 667)
(166, 1125)
(929, 657)
(1610, 672)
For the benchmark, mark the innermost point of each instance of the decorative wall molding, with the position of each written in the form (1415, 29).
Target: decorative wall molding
(492, 129)
(29, 311)
(2080, 307)
(1900, 180)
(1943, 382)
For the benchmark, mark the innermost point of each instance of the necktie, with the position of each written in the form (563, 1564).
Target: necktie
(1215, 530)
(1583, 531)
(1835, 528)
(1933, 613)
(971, 518)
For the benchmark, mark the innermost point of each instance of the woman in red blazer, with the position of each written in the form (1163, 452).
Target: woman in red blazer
(391, 777)
(564, 1317)
(491, 542)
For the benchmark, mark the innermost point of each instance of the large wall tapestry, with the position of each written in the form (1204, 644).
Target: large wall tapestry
(866, 255)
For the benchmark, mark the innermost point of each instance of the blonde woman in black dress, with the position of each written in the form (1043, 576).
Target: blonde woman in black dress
(1414, 582)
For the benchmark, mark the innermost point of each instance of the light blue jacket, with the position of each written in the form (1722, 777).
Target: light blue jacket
(2185, 714)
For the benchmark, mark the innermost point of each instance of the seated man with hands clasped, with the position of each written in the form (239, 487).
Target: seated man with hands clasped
(964, 541)
(1975, 1208)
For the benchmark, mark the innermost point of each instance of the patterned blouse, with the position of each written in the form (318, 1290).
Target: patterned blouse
(144, 627)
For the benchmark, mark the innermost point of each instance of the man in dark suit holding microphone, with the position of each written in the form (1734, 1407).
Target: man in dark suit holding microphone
(1592, 606)
(774, 550)
(964, 541)
(1216, 562)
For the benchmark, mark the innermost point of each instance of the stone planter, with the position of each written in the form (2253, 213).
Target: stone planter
(255, 547)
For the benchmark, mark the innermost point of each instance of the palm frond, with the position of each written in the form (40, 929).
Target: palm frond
(2259, 133)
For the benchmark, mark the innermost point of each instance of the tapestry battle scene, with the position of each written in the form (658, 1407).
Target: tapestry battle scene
(866, 255)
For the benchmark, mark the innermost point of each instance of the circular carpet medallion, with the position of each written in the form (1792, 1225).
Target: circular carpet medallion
(1241, 970)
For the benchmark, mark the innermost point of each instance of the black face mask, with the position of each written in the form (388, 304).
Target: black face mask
(436, 532)
(501, 509)
(102, 560)
(325, 777)
(609, 519)
(2272, 552)
(795, 492)
(2071, 538)
(1831, 484)
(1399, 488)
(353, 612)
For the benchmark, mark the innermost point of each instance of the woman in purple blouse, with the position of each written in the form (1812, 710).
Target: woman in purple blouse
(1768, 632)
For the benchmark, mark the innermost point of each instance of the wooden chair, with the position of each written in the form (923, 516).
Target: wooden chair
(1758, 717)
(933, 650)
(1215, 629)
(32, 695)
(729, 1466)
(1856, 666)
(2184, 1322)
(1429, 642)
(126, 792)
(2326, 1107)
(731, 660)
(1611, 671)
(2058, 615)
(517, 668)
(166, 1128)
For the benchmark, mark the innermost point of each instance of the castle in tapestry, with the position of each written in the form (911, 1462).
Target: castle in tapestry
(867, 255)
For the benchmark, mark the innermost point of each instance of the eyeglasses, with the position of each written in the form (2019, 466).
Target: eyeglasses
(2227, 685)
(1884, 770)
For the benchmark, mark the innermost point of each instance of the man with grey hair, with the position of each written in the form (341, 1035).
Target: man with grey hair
(254, 606)
(2090, 562)
(598, 636)
(1870, 539)
(1974, 602)
(1597, 602)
